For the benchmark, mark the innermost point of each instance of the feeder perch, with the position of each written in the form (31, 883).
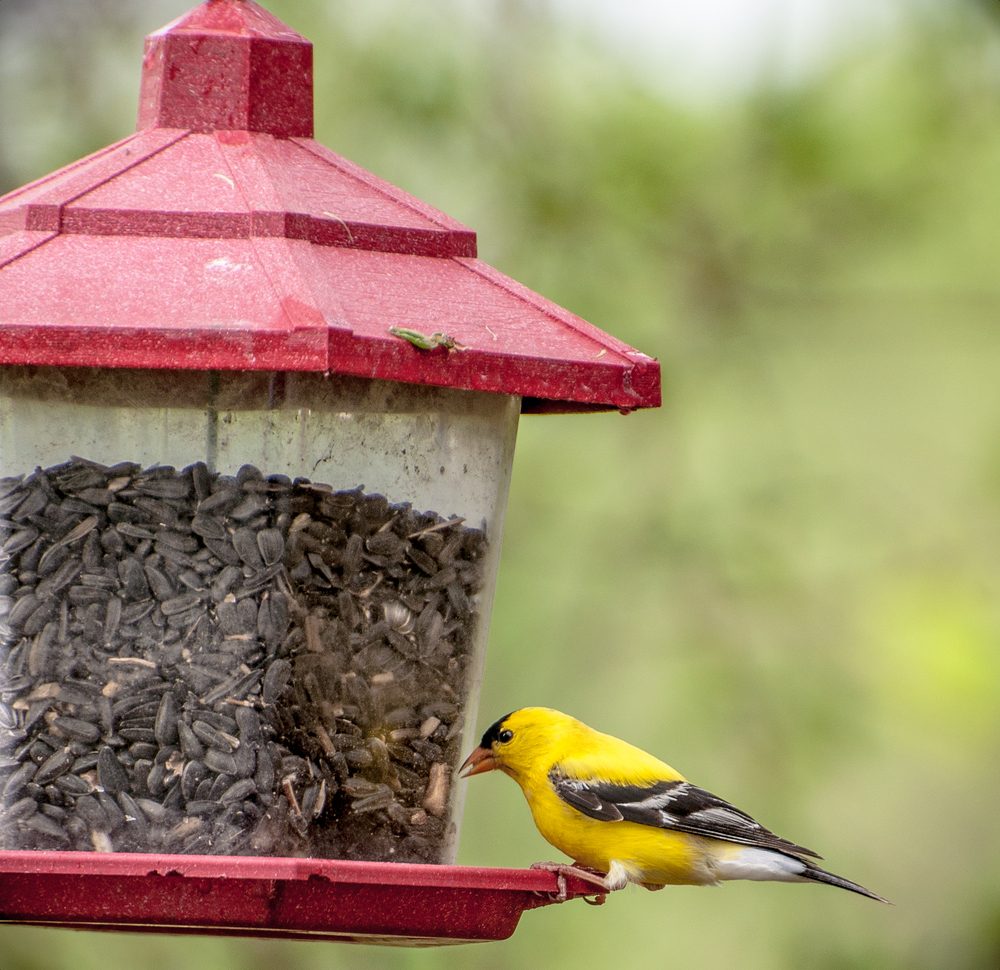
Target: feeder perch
(257, 420)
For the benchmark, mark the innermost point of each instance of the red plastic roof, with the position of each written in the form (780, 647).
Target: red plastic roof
(222, 236)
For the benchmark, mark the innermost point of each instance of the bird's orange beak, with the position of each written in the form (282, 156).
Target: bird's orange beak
(479, 761)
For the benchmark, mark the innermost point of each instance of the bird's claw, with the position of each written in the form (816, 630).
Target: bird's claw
(561, 871)
(557, 868)
(563, 893)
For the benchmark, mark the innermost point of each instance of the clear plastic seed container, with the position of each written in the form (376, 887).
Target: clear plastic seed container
(242, 613)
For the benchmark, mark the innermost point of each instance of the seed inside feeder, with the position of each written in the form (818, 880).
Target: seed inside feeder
(229, 664)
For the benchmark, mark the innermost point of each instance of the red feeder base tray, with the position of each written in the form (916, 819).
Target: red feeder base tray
(281, 898)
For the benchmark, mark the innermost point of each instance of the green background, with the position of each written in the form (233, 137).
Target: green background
(784, 581)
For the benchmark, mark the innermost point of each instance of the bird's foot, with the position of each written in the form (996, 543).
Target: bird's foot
(561, 871)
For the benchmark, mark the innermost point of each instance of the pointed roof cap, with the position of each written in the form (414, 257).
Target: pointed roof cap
(228, 64)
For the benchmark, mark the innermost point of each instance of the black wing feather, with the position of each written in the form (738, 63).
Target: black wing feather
(676, 805)
(589, 802)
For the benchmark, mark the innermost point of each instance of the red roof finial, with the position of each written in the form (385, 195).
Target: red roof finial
(228, 64)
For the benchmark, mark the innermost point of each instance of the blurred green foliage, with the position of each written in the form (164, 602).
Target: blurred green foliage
(785, 581)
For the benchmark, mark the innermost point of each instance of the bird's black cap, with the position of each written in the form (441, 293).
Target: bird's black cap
(492, 732)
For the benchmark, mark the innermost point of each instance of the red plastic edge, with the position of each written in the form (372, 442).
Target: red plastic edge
(281, 898)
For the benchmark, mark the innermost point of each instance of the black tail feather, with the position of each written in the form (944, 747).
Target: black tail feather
(821, 875)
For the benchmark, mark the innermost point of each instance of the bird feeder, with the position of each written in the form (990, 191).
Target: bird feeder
(257, 420)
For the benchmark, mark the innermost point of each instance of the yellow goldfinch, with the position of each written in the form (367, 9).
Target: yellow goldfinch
(619, 811)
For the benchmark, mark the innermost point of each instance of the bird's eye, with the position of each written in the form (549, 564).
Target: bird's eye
(505, 735)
